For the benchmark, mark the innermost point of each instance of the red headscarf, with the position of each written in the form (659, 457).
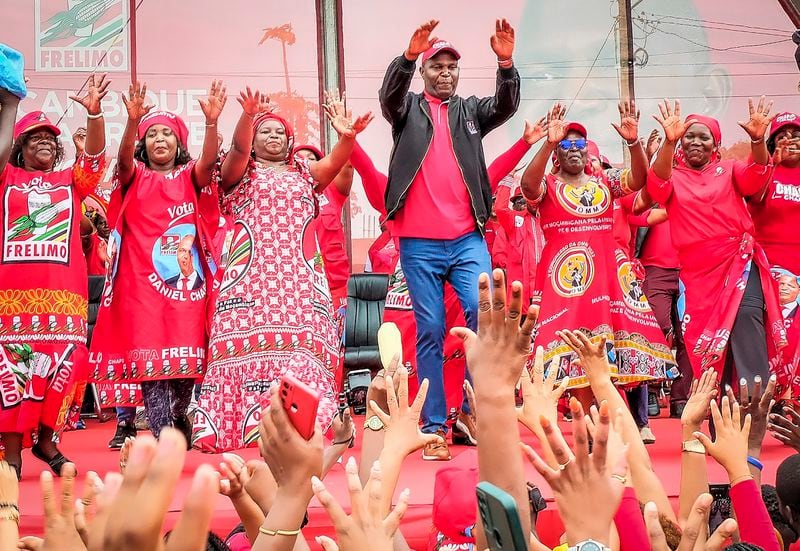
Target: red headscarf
(170, 120)
(713, 126)
(264, 117)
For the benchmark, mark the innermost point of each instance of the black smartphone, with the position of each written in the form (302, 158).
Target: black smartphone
(358, 382)
(721, 507)
(500, 518)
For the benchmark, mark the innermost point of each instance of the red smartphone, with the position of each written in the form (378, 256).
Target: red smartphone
(300, 403)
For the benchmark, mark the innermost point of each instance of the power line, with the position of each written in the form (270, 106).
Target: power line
(589, 72)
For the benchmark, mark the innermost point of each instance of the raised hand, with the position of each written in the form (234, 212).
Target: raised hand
(60, 532)
(496, 355)
(701, 394)
(292, 459)
(421, 40)
(695, 529)
(148, 487)
(592, 356)
(250, 101)
(628, 127)
(233, 476)
(758, 123)
(341, 119)
(402, 421)
(786, 427)
(583, 480)
(344, 431)
(670, 120)
(136, 102)
(213, 104)
(730, 447)
(96, 90)
(540, 394)
(534, 132)
(366, 527)
(556, 125)
(756, 406)
(502, 41)
(653, 143)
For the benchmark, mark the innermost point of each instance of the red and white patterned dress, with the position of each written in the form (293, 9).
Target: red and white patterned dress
(586, 282)
(273, 314)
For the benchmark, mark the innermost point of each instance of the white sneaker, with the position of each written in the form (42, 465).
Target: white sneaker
(647, 435)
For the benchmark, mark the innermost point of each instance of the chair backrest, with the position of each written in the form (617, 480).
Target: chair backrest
(366, 297)
(95, 294)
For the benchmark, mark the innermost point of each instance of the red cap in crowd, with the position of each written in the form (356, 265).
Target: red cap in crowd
(170, 120)
(33, 121)
(438, 47)
(780, 121)
(577, 127)
(709, 122)
(454, 502)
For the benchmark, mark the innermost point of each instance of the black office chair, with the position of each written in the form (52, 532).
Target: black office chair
(366, 297)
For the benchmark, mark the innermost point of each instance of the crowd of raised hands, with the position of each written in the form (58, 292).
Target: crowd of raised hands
(599, 478)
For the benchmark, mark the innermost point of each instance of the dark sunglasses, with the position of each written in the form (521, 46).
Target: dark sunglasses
(566, 145)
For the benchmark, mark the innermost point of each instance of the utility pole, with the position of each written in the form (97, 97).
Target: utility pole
(625, 55)
(330, 66)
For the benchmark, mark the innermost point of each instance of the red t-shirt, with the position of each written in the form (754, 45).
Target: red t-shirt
(42, 265)
(776, 217)
(708, 204)
(658, 250)
(330, 236)
(438, 204)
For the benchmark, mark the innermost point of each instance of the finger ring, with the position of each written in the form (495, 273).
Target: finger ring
(563, 466)
(623, 479)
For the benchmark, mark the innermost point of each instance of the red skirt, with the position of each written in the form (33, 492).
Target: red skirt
(715, 275)
(41, 384)
(589, 285)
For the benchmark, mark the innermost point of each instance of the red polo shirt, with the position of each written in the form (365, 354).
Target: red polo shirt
(438, 204)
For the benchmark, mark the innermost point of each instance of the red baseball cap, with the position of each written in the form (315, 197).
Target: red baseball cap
(577, 127)
(32, 121)
(438, 47)
(780, 121)
(454, 502)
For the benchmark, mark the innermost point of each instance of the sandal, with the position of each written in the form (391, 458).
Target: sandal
(56, 463)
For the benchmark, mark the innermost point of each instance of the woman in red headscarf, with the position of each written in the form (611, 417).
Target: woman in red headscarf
(732, 315)
(43, 300)
(273, 315)
(775, 214)
(151, 328)
(585, 280)
(329, 229)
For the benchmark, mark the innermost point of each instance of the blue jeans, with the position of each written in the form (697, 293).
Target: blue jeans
(427, 265)
(126, 414)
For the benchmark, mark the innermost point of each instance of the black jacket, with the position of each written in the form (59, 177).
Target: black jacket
(470, 120)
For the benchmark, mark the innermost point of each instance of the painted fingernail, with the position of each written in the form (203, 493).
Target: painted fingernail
(743, 381)
(773, 377)
(317, 484)
(757, 379)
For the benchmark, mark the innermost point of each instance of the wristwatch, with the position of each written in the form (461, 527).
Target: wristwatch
(693, 446)
(374, 423)
(589, 545)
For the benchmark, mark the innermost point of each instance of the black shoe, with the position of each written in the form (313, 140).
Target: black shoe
(184, 425)
(125, 429)
(653, 407)
(676, 409)
(56, 463)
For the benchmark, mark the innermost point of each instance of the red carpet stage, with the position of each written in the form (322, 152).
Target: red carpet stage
(87, 448)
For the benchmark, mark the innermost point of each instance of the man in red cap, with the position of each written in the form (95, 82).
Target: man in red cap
(439, 196)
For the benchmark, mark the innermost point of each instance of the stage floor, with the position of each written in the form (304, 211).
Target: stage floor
(87, 448)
